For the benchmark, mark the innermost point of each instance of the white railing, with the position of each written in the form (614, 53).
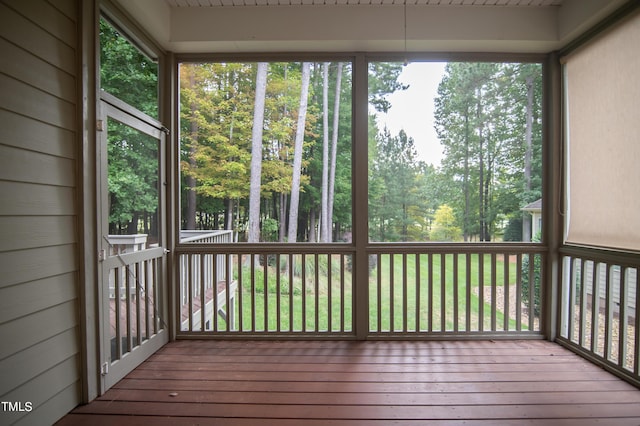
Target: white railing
(119, 245)
(206, 236)
(207, 289)
(134, 298)
(206, 267)
(599, 299)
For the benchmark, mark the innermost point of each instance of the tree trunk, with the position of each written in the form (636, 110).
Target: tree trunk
(467, 195)
(312, 226)
(324, 212)
(481, 167)
(487, 195)
(132, 226)
(228, 217)
(297, 154)
(282, 228)
(334, 147)
(526, 220)
(256, 153)
(191, 180)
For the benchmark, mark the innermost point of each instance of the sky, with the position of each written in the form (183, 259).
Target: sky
(412, 109)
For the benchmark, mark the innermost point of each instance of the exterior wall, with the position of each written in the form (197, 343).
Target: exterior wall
(40, 361)
(536, 223)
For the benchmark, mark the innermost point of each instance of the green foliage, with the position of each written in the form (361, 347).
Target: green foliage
(444, 228)
(132, 178)
(481, 121)
(534, 281)
(282, 271)
(217, 101)
(216, 109)
(126, 73)
(269, 229)
(272, 282)
(132, 156)
(383, 80)
(480, 118)
(513, 231)
(393, 201)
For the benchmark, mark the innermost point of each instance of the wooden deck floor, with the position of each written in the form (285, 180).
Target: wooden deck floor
(304, 383)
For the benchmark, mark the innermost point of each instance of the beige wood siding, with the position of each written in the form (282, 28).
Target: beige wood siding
(39, 318)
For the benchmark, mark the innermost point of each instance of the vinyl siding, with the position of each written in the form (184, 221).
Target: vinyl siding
(39, 328)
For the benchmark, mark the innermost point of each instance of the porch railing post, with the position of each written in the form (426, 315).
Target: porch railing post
(360, 201)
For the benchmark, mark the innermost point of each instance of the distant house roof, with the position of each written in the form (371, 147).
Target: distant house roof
(536, 206)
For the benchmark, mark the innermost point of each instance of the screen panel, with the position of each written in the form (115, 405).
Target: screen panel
(602, 100)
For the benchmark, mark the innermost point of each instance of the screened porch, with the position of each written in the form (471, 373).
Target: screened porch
(423, 294)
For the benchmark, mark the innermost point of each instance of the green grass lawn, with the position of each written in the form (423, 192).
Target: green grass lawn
(435, 309)
(323, 300)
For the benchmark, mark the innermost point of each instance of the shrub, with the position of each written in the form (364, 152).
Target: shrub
(513, 231)
(527, 281)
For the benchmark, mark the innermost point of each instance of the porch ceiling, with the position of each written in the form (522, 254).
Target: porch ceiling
(536, 26)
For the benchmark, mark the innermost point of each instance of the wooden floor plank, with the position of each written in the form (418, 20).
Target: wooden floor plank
(396, 387)
(338, 383)
(361, 359)
(368, 412)
(364, 367)
(352, 398)
(358, 345)
(382, 352)
(350, 376)
(128, 420)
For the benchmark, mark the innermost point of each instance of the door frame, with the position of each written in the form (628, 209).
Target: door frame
(111, 107)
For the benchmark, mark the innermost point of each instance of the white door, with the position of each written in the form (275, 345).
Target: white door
(133, 313)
